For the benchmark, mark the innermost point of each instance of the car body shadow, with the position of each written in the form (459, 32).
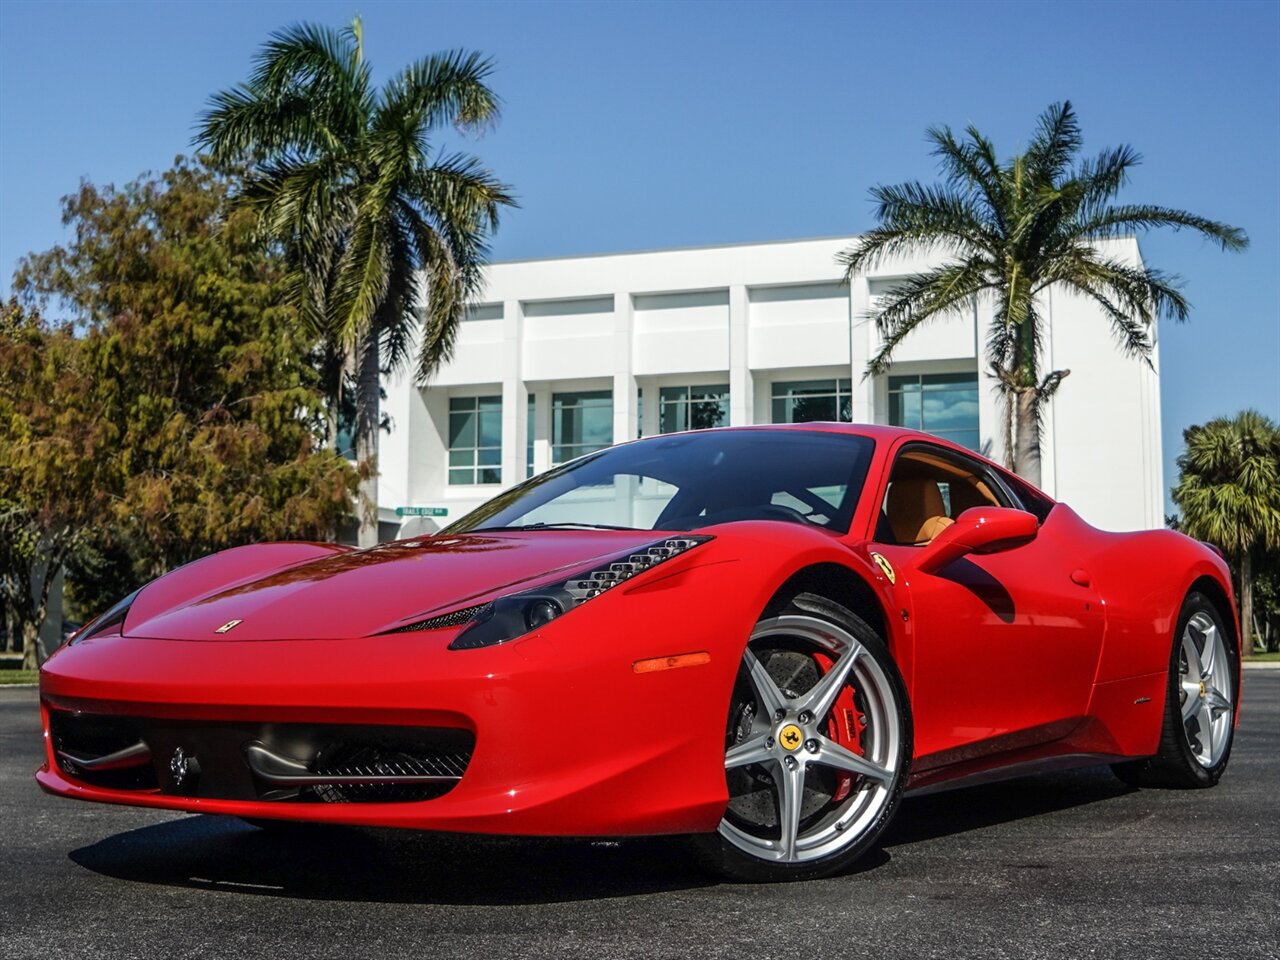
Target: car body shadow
(397, 866)
(946, 813)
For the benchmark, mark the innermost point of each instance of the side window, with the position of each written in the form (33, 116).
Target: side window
(928, 489)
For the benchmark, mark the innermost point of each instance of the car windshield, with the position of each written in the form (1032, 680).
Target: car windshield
(692, 480)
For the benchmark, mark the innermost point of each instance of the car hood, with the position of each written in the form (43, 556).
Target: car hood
(361, 592)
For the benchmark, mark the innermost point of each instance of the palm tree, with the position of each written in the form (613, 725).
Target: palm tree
(386, 232)
(1010, 230)
(1229, 494)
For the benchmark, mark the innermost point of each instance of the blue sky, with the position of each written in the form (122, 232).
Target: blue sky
(642, 125)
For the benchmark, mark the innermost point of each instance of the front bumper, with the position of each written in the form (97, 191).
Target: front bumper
(568, 738)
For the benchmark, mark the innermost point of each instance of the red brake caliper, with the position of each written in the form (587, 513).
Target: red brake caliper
(845, 726)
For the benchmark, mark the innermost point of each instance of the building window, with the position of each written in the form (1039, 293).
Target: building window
(804, 401)
(580, 423)
(475, 439)
(944, 404)
(528, 434)
(692, 408)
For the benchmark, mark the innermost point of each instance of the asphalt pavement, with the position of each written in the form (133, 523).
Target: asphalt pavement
(1059, 865)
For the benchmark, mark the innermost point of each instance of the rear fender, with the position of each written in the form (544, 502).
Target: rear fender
(1143, 579)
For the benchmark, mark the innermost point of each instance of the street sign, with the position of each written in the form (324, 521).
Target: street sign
(422, 511)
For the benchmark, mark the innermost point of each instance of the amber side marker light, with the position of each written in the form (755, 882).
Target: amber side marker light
(671, 663)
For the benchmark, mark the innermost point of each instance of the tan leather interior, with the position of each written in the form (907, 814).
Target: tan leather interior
(916, 511)
(971, 493)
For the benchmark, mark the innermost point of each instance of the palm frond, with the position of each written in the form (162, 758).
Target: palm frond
(1105, 175)
(462, 186)
(1056, 142)
(1133, 218)
(923, 297)
(361, 276)
(972, 165)
(447, 88)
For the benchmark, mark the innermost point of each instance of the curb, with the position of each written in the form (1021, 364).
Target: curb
(1266, 665)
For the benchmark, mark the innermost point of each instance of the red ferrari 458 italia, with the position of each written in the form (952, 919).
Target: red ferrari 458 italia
(759, 636)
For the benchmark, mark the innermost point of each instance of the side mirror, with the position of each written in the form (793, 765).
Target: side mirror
(977, 530)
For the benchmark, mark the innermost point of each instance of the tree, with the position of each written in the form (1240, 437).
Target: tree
(51, 462)
(1229, 494)
(347, 179)
(176, 413)
(1009, 231)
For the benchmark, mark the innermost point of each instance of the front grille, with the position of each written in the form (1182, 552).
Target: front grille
(364, 761)
(213, 760)
(455, 619)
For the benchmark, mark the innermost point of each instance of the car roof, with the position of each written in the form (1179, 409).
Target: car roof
(875, 431)
(885, 436)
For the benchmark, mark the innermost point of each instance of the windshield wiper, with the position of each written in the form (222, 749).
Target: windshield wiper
(562, 525)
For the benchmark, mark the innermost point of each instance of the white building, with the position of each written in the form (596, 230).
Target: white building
(565, 355)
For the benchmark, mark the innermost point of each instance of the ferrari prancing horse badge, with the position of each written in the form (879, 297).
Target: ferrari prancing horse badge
(885, 566)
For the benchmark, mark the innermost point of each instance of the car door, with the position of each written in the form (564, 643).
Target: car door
(1005, 645)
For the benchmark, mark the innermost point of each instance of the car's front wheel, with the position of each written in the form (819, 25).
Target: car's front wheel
(817, 747)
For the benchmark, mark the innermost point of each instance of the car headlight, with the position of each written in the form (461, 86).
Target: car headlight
(512, 616)
(106, 621)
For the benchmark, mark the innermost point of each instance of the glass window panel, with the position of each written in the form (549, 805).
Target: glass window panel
(490, 428)
(949, 409)
(490, 475)
(567, 425)
(809, 387)
(489, 456)
(528, 433)
(464, 457)
(597, 425)
(780, 410)
(810, 408)
(490, 403)
(673, 394)
(945, 404)
(462, 476)
(718, 392)
(673, 417)
(704, 416)
(462, 429)
(962, 379)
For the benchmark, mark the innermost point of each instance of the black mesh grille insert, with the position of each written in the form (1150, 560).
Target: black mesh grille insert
(366, 761)
(455, 619)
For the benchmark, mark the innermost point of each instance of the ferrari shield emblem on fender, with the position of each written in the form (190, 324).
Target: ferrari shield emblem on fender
(229, 625)
(885, 567)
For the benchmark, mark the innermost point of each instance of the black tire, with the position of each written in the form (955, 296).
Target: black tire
(729, 859)
(1175, 765)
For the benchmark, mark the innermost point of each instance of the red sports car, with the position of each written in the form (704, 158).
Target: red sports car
(761, 636)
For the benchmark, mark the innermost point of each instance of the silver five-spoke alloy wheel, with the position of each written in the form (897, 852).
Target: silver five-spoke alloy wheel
(787, 741)
(1205, 689)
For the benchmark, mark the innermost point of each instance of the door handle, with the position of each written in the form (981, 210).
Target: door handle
(1080, 577)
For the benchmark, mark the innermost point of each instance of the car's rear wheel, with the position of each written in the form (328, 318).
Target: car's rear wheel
(1200, 704)
(817, 749)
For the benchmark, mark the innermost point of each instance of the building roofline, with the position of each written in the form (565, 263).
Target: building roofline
(688, 249)
(711, 246)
